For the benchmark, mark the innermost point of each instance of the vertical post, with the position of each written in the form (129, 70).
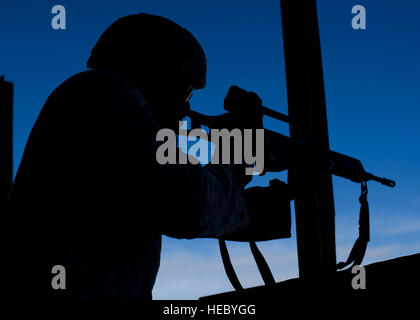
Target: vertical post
(6, 146)
(314, 202)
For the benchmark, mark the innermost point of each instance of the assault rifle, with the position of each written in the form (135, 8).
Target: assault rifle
(281, 152)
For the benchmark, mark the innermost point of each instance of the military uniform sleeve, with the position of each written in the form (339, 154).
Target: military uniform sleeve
(188, 200)
(221, 206)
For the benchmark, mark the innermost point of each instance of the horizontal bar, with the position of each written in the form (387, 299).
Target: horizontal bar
(274, 114)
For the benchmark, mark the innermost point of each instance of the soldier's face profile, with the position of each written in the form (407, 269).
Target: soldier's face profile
(190, 93)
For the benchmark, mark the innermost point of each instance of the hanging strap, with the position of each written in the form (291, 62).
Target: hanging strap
(227, 264)
(359, 248)
(262, 265)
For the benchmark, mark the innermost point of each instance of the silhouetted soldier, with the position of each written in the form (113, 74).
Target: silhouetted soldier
(89, 194)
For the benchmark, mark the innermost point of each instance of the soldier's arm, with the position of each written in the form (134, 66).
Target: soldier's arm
(185, 200)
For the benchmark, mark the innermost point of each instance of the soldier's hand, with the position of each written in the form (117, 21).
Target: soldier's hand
(244, 108)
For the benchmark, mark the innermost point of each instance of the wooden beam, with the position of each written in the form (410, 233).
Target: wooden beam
(314, 201)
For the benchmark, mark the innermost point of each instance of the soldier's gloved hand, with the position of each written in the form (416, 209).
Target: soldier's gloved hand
(244, 109)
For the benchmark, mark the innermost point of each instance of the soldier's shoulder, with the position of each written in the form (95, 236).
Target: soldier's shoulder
(93, 80)
(94, 87)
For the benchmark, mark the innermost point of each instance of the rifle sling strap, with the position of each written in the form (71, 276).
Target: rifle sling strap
(262, 265)
(227, 264)
(357, 253)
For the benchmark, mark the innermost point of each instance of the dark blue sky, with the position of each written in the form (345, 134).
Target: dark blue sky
(371, 81)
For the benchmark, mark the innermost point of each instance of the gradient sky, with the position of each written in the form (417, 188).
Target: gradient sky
(372, 84)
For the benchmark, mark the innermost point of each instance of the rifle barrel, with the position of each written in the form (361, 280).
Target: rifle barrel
(384, 181)
(274, 114)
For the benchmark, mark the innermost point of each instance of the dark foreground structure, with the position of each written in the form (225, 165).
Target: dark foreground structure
(392, 278)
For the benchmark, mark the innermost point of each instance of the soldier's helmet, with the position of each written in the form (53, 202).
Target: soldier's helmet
(153, 48)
